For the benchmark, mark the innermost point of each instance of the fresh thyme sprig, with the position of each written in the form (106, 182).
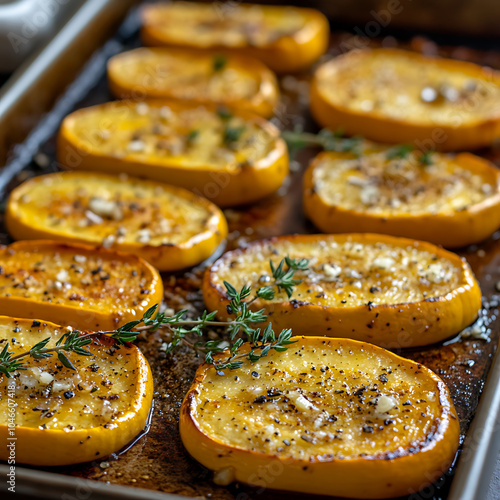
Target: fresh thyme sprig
(72, 341)
(334, 141)
(325, 139)
(402, 151)
(244, 322)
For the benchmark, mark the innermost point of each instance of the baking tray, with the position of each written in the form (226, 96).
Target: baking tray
(157, 466)
(25, 25)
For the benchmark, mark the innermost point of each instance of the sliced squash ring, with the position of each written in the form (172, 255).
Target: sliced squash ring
(63, 416)
(392, 292)
(454, 201)
(168, 226)
(397, 96)
(231, 159)
(287, 39)
(240, 82)
(328, 416)
(76, 285)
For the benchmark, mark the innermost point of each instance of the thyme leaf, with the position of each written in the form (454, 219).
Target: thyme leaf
(401, 151)
(219, 62)
(193, 136)
(224, 113)
(426, 158)
(233, 134)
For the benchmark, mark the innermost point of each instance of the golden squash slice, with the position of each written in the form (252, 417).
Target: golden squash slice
(286, 39)
(64, 416)
(448, 200)
(168, 226)
(328, 416)
(229, 159)
(76, 285)
(231, 80)
(397, 96)
(392, 292)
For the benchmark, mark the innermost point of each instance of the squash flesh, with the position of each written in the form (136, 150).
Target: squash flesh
(138, 132)
(393, 292)
(242, 83)
(325, 407)
(381, 186)
(328, 416)
(168, 226)
(286, 39)
(83, 412)
(174, 72)
(196, 146)
(232, 26)
(170, 218)
(74, 285)
(65, 416)
(387, 83)
(346, 271)
(402, 97)
(454, 201)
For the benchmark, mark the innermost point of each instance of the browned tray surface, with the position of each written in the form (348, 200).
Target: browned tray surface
(157, 460)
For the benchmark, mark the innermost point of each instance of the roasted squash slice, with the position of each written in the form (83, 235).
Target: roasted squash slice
(64, 416)
(450, 201)
(286, 39)
(392, 292)
(328, 416)
(169, 227)
(76, 285)
(226, 158)
(396, 96)
(233, 80)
